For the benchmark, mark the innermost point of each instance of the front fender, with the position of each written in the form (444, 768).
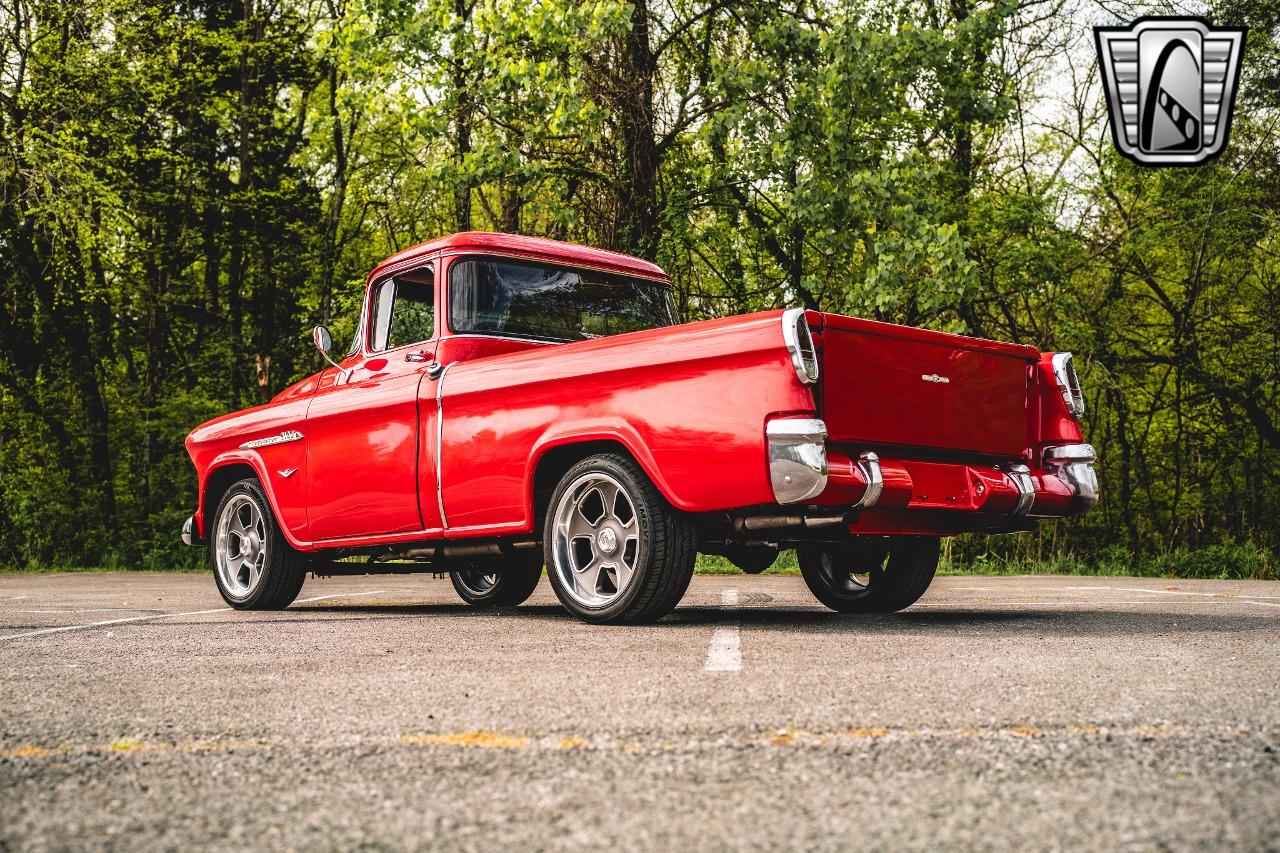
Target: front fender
(289, 509)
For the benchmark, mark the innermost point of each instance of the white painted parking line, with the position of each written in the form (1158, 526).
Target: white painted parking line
(725, 652)
(132, 619)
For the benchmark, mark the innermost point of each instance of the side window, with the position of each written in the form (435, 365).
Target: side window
(404, 310)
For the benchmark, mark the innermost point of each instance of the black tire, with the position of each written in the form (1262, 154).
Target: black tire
(896, 572)
(283, 569)
(499, 582)
(665, 553)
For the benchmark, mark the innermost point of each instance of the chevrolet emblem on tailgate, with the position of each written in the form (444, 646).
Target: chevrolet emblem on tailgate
(933, 377)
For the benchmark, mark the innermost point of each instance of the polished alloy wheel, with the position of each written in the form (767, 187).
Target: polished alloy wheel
(596, 539)
(240, 547)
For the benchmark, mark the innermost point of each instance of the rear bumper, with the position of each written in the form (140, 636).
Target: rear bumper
(883, 493)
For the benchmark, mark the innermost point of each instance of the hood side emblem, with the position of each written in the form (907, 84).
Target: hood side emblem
(933, 377)
(286, 472)
(282, 438)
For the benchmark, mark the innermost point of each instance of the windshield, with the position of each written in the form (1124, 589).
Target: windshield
(551, 303)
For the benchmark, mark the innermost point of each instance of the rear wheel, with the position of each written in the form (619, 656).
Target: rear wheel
(254, 566)
(616, 551)
(498, 582)
(876, 575)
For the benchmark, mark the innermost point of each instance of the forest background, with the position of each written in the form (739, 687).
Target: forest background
(186, 188)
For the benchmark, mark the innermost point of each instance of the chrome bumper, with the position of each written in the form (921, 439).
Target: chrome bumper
(189, 532)
(1073, 464)
(797, 458)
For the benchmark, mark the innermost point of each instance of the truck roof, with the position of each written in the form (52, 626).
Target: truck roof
(535, 248)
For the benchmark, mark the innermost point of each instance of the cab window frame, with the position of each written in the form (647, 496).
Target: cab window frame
(370, 315)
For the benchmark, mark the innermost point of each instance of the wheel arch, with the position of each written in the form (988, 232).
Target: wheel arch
(225, 472)
(553, 459)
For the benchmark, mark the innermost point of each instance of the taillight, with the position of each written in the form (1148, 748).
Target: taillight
(799, 342)
(1064, 371)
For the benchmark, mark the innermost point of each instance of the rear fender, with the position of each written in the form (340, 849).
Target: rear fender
(568, 435)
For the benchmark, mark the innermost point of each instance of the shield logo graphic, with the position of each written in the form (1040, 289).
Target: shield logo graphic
(1170, 85)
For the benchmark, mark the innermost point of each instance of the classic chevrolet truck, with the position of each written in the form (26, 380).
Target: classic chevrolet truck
(509, 402)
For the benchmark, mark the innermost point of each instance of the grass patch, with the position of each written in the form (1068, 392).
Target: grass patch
(1227, 561)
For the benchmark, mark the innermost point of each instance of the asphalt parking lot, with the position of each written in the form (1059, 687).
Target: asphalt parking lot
(1043, 713)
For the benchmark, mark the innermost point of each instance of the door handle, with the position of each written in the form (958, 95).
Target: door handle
(422, 356)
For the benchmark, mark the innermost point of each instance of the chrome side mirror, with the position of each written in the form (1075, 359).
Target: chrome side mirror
(324, 342)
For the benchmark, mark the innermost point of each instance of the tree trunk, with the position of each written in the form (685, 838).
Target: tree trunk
(636, 230)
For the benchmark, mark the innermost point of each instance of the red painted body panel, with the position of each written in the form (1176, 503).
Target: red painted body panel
(875, 390)
(660, 393)
(689, 403)
(362, 451)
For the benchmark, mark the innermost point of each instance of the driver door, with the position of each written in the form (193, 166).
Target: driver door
(363, 433)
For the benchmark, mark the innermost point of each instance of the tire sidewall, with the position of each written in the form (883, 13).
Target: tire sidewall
(908, 557)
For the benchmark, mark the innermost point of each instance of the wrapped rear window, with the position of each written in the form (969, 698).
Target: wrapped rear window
(527, 300)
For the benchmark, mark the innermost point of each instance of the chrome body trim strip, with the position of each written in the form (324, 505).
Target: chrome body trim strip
(283, 438)
(444, 521)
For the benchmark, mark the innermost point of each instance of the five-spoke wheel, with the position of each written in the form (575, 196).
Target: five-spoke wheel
(616, 551)
(596, 539)
(240, 551)
(253, 565)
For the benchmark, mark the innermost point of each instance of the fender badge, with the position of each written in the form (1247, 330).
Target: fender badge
(282, 438)
(286, 472)
(933, 377)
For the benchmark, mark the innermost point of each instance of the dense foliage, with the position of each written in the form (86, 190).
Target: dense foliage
(186, 187)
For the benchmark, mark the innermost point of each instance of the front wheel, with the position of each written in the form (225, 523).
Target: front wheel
(498, 582)
(616, 551)
(876, 575)
(253, 564)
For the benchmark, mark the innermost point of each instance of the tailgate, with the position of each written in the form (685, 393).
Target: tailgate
(896, 385)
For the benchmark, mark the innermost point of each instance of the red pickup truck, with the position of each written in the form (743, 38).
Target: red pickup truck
(509, 402)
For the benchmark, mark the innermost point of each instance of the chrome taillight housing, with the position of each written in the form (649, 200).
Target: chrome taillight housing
(799, 343)
(1064, 372)
(797, 458)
